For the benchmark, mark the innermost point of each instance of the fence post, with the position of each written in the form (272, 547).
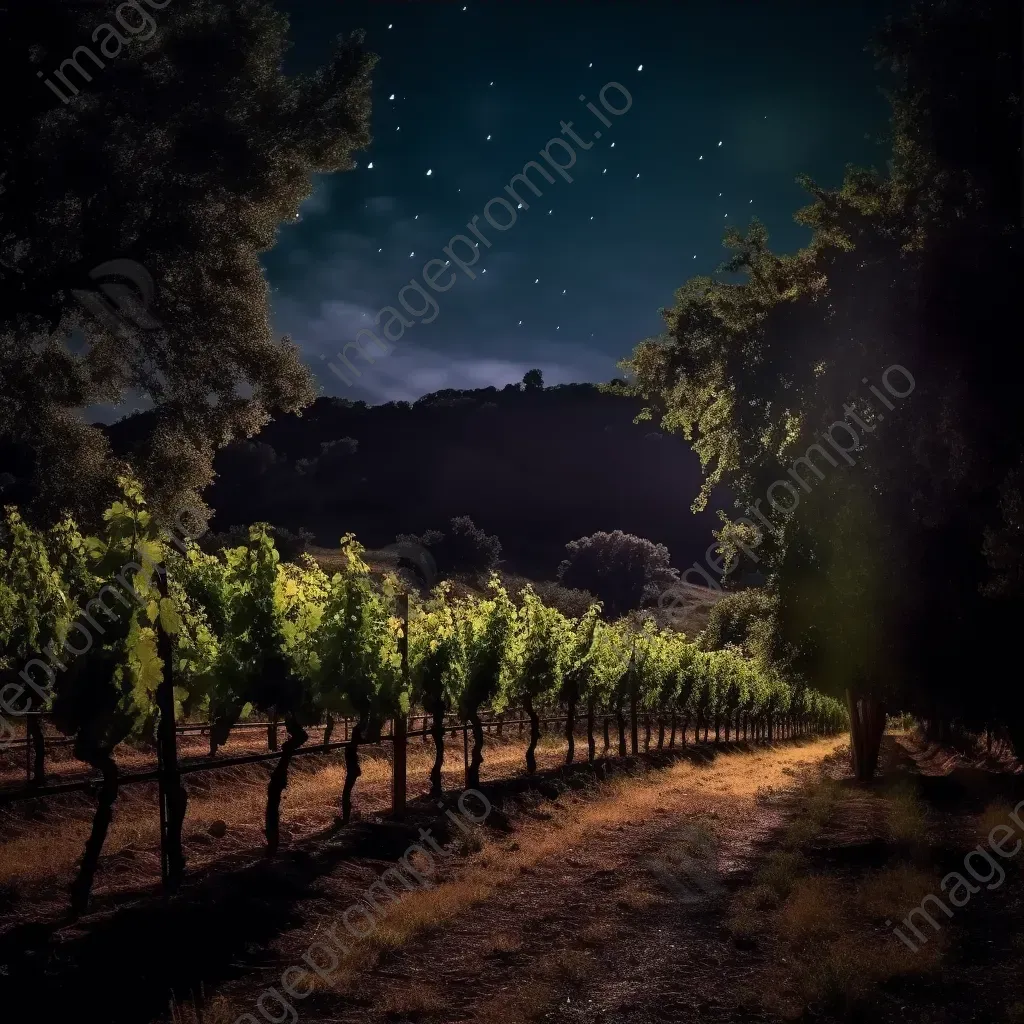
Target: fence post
(399, 726)
(272, 734)
(35, 749)
(173, 796)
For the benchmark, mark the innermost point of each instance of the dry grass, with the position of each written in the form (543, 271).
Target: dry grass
(811, 910)
(835, 941)
(905, 814)
(884, 894)
(411, 1000)
(596, 934)
(574, 966)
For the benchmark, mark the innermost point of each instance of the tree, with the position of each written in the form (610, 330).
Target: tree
(171, 165)
(623, 570)
(907, 288)
(533, 379)
(463, 548)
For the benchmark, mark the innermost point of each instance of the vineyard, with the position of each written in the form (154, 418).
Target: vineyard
(146, 638)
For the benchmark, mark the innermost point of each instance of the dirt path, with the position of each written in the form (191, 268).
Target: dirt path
(602, 906)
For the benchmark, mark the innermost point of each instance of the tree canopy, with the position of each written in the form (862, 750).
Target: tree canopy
(180, 149)
(911, 514)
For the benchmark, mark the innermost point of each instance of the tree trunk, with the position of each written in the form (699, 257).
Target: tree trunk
(279, 780)
(706, 727)
(718, 729)
(352, 770)
(82, 885)
(686, 725)
(570, 725)
(477, 759)
(591, 746)
(867, 723)
(501, 723)
(531, 757)
(647, 733)
(661, 733)
(438, 733)
(633, 733)
(607, 737)
(672, 738)
(622, 731)
(328, 731)
(272, 734)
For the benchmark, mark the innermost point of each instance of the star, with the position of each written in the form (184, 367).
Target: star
(429, 173)
(492, 83)
(591, 64)
(398, 128)
(380, 250)
(563, 291)
(488, 138)
(411, 255)
(638, 175)
(719, 195)
(537, 281)
(520, 206)
(700, 158)
(591, 218)
(751, 200)
(369, 166)
(520, 323)
(605, 171)
(558, 328)
(613, 145)
(417, 217)
(485, 270)
(390, 26)
(719, 141)
(550, 212)
(640, 67)
(392, 96)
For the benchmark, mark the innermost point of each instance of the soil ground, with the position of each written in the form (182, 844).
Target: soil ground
(730, 884)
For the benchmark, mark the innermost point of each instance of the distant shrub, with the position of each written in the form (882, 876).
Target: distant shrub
(462, 548)
(623, 570)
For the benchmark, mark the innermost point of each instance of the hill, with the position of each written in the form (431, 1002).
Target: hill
(538, 467)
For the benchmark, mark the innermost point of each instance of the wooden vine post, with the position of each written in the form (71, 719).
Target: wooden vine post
(399, 727)
(173, 797)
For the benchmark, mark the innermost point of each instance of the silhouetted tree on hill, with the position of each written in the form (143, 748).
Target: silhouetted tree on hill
(463, 548)
(623, 570)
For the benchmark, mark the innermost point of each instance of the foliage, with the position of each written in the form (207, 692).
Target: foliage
(915, 267)
(463, 548)
(623, 571)
(187, 167)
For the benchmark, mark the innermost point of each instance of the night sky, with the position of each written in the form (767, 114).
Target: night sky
(730, 101)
